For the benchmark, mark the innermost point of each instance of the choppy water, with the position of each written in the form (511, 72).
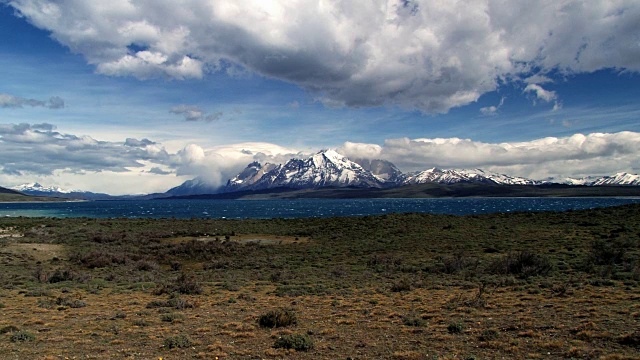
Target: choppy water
(241, 209)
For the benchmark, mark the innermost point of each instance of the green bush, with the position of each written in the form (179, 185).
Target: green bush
(455, 328)
(178, 341)
(522, 264)
(8, 329)
(298, 342)
(278, 318)
(171, 317)
(413, 321)
(22, 336)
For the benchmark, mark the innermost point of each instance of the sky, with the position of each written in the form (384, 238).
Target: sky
(138, 96)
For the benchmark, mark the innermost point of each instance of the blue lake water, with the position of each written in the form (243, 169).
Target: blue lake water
(303, 208)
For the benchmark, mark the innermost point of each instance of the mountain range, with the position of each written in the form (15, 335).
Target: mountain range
(328, 169)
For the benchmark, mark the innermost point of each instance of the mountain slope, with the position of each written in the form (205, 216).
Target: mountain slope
(439, 176)
(324, 169)
(195, 186)
(36, 189)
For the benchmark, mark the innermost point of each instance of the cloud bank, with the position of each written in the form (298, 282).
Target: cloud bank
(426, 55)
(38, 152)
(574, 156)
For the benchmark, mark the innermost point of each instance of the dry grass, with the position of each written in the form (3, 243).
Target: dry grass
(378, 295)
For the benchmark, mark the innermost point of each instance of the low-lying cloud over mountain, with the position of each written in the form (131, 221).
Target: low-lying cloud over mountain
(40, 153)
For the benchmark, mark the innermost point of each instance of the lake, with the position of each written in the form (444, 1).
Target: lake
(302, 208)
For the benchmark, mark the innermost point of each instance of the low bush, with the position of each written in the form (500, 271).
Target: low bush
(278, 318)
(455, 328)
(298, 342)
(8, 329)
(178, 341)
(22, 336)
(521, 264)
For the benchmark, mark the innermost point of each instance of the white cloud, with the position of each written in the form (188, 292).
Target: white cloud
(427, 55)
(492, 110)
(541, 94)
(11, 101)
(573, 156)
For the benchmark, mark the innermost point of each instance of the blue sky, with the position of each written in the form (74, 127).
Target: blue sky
(551, 94)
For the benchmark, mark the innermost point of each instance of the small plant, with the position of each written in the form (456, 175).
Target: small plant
(171, 317)
(455, 328)
(178, 341)
(8, 329)
(298, 342)
(412, 320)
(120, 315)
(401, 285)
(489, 335)
(140, 323)
(72, 303)
(522, 264)
(278, 318)
(22, 336)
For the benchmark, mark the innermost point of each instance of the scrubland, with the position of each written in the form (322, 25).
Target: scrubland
(405, 286)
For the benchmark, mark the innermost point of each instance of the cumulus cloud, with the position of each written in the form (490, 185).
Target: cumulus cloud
(426, 55)
(218, 164)
(573, 156)
(39, 149)
(11, 101)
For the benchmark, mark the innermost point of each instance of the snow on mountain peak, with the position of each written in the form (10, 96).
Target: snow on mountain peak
(31, 187)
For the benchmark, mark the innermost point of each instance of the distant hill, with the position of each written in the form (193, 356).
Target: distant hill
(429, 190)
(9, 191)
(8, 195)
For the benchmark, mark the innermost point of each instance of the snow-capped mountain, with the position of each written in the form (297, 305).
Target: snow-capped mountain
(622, 178)
(37, 189)
(439, 176)
(325, 168)
(249, 176)
(328, 168)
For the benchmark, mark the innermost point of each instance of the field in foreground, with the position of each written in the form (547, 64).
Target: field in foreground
(412, 286)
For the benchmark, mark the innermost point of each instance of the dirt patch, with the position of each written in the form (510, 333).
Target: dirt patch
(39, 252)
(10, 233)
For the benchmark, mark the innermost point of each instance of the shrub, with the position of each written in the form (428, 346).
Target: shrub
(413, 321)
(278, 318)
(632, 339)
(178, 341)
(609, 252)
(458, 262)
(183, 285)
(72, 303)
(455, 328)
(489, 335)
(171, 317)
(298, 342)
(22, 336)
(61, 275)
(522, 264)
(144, 265)
(8, 329)
(401, 285)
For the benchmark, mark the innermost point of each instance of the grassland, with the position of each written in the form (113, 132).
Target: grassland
(410, 286)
